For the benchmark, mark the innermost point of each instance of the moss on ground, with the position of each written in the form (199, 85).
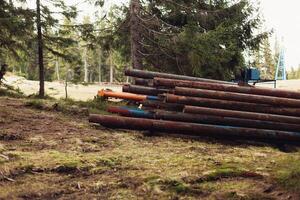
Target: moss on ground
(58, 155)
(287, 172)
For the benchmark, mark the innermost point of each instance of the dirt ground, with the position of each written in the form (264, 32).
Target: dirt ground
(49, 155)
(57, 89)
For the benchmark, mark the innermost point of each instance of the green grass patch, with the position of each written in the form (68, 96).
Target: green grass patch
(10, 92)
(36, 103)
(172, 186)
(70, 106)
(287, 173)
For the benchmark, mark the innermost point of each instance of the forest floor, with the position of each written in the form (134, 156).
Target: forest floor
(56, 89)
(54, 155)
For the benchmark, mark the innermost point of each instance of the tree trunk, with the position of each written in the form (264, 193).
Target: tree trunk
(57, 69)
(40, 49)
(86, 75)
(135, 36)
(99, 66)
(111, 70)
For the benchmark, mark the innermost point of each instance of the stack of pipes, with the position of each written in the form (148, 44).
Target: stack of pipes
(204, 107)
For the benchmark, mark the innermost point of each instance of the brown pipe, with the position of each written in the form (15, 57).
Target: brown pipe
(161, 105)
(231, 105)
(143, 90)
(226, 121)
(242, 115)
(193, 129)
(150, 75)
(275, 101)
(171, 83)
(143, 82)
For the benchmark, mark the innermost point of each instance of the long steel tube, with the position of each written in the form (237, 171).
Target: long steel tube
(231, 105)
(241, 115)
(171, 83)
(193, 129)
(143, 90)
(226, 121)
(151, 75)
(143, 82)
(161, 105)
(275, 101)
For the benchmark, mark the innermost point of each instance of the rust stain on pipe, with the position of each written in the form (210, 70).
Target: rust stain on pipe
(225, 121)
(151, 75)
(192, 128)
(161, 105)
(242, 115)
(231, 105)
(275, 101)
(225, 87)
(143, 90)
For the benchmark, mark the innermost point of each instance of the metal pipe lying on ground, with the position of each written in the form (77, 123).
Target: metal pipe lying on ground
(230, 105)
(192, 129)
(143, 90)
(161, 105)
(130, 112)
(274, 101)
(225, 121)
(143, 82)
(171, 83)
(124, 95)
(151, 75)
(242, 115)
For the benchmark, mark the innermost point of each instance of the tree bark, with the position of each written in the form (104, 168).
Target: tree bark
(111, 70)
(86, 76)
(40, 50)
(57, 68)
(99, 66)
(135, 36)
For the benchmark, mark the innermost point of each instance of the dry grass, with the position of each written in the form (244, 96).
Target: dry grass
(52, 155)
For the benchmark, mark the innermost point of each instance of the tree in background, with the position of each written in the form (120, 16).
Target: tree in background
(294, 73)
(45, 21)
(16, 25)
(135, 34)
(264, 60)
(199, 38)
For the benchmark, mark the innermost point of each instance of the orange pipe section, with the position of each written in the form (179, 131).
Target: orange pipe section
(122, 95)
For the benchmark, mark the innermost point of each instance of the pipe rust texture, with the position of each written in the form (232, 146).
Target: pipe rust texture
(231, 105)
(226, 121)
(171, 83)
(143, 82)
(193, 129)
(147, 104)
(274, 101)
(242, 115)
(143, 90)
(151, 75)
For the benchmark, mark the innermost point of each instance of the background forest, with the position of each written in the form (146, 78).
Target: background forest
(205, 38)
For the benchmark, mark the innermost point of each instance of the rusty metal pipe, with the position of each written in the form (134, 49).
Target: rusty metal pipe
(193, 129)
(275, 101)
(151, 75)
(171, 83)
(230, 105)
(143, 90)
(143, 82)
(161, 105)
(241, 115)
(226, 121)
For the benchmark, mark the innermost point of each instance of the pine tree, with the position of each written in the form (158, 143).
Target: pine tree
(200, 38)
